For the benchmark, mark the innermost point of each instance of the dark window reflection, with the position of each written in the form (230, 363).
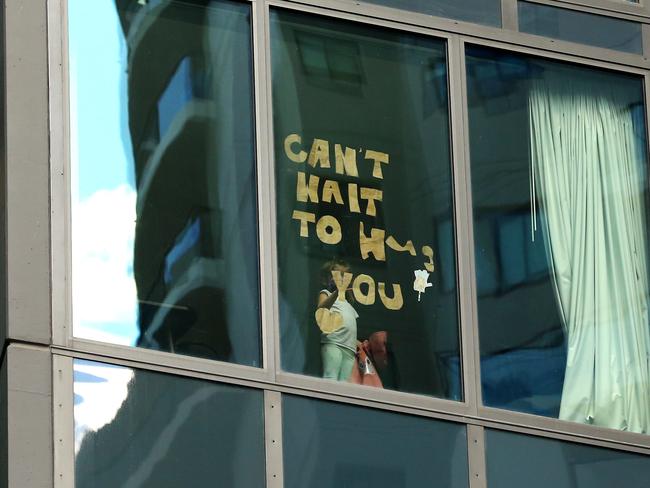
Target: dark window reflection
(559, 190)
(144, 429)
(486, 12)
(582, 27)
(363, 177)
(515, 460)
(328, 444)
(180, 142)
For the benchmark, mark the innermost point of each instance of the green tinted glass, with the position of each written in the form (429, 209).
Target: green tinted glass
(164, 247)
(364, 203)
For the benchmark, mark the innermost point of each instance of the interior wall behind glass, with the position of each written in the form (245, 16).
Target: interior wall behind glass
(164, 240)
(559, 188)
(361, 133)
(146, 429)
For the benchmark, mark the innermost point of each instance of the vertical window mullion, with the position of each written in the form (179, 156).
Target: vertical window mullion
(273, 439)
(509, 17)
(476, 456)
(266, 185)
(464, 230)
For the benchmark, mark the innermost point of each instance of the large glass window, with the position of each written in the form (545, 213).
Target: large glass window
(163, 184)
(144, 429)
(364, 205)
(515, 460)
(559, 188)
(329, 444)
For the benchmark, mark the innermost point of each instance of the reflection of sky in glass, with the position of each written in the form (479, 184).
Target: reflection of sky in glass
(99, 391)
(103, 193)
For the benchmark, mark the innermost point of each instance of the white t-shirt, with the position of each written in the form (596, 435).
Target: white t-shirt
(346, 336)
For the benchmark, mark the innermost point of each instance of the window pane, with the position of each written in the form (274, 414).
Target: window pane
(559, 185)
(329, 444)
(163, 187)
(518, 460)
(486, 12)
(364, 198)
(585, 28)
(138, 428)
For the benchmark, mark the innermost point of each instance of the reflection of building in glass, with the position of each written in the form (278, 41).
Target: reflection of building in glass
(180, 88)
(330, 82)
(522, 355)
(172, 419)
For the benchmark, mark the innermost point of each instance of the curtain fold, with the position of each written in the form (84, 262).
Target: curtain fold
(589, 178)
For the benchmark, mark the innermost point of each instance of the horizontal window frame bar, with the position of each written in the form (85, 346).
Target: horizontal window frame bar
(391, 398)
(557, 428)
(177, 361)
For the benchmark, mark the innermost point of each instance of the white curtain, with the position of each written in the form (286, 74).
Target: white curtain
(589, 176)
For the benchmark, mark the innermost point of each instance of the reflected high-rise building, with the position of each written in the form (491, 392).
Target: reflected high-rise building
(195, 250)
(195, 253)
(219, 426)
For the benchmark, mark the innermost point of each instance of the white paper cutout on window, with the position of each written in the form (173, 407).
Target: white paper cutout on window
(420, 284)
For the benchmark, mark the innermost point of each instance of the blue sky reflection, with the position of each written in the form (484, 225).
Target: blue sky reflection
(103, 193)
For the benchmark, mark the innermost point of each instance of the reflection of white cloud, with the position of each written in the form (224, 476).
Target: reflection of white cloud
(104, 291)
(126, 337)
(99, 400)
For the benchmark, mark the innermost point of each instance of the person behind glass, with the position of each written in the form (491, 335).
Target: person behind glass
(339, 324)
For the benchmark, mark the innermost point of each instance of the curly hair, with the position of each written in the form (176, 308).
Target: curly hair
(326, 269)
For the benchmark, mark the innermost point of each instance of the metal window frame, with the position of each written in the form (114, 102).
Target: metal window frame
(63, 420)
(270, 377)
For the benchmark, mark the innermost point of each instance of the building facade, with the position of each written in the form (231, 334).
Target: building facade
(291, 243)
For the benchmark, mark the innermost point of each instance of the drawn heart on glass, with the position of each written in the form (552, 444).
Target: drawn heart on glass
(327, 321)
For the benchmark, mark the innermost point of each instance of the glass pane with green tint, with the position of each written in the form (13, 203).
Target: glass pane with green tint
(139, 428)
(515, 460)
(487, 12)
(581, 27)
(560, 213)
(364, 204)
(327, 444)
(164, 239)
